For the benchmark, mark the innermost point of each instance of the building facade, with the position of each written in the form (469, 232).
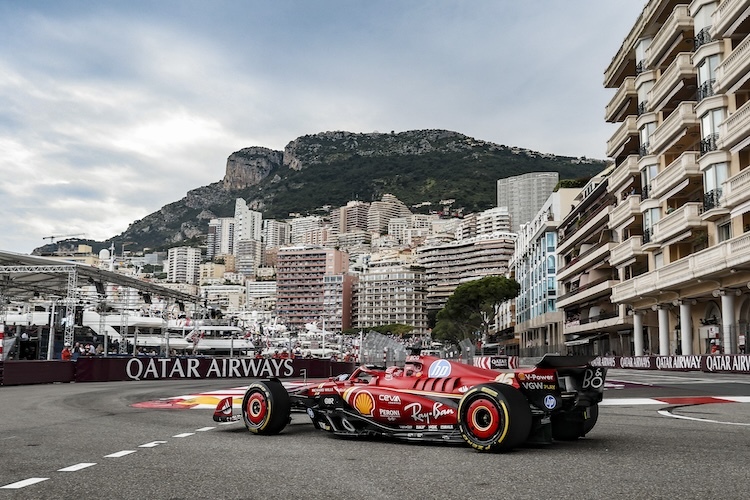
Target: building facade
(392, 291)
(523, 195)
(681, 150)
(538, 321)
(183, 265)
(301, 283)
(448, 264)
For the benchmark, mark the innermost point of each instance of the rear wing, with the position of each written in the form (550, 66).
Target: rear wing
(557, 361)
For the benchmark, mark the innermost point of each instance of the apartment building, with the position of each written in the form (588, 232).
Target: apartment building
(381, 212)
(592, 324)
(220, 240)
(391, 291)
(681, 151)
(448, 264)
(300, 283)
(183, 265)
(276, 233)
(523, 195)
(538, 323)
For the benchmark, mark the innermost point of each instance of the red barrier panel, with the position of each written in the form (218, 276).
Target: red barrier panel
(37, 372)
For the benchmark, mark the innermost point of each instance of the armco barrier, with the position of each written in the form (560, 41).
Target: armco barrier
(153, 368)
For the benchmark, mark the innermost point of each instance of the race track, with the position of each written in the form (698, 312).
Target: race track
(88, 441)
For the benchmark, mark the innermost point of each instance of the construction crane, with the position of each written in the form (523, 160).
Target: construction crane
(58, 236)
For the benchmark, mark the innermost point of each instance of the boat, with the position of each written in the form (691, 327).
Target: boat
(219, 339)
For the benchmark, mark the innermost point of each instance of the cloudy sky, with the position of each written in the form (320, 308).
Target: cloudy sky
(110, 110)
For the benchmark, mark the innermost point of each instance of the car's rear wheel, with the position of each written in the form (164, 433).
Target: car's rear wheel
(573, 425)
(266, 407)
(494, 417)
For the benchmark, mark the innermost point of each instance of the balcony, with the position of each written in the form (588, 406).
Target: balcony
(676, 29)
(713, 205)
(584, 293)
(734, 71)
(679, 223)
(623, 175)
(676, 131)
(702, 265)
(623, 103)
(727, 17)
(672, 81)
(599, 323)
(676, 176)
(737, 189)
(626, 251)
(734, 131)
(625, 138)
(625, 210)
(586, 260)
(588, 226)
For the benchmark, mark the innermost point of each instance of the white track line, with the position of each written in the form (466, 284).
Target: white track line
(152, 444)
(24, 483)
(120, 454)
(76, 467)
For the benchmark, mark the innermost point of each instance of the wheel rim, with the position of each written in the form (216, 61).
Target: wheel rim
(256, 408)
(483, 419)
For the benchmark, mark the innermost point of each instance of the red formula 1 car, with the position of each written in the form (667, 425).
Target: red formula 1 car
(433, 399)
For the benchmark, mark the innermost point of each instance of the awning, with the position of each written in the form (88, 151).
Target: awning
(578, 341)
(679, 187)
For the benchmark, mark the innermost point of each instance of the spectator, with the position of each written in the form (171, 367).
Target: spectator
(66, 355)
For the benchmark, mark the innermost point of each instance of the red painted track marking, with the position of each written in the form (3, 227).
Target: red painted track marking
(693, 400)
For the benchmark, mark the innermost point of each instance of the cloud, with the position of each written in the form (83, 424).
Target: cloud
(116, 109)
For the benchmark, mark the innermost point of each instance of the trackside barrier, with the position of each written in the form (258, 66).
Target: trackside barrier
(154, 368)
(710, 363)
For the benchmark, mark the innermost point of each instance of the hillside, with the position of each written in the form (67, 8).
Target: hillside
(332, 168)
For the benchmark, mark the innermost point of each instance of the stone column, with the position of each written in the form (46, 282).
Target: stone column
(638, 333)
(686, 328)
(663, 331)
(727, 321)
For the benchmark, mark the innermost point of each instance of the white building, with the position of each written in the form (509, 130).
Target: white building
(523, 195)
(183, 265)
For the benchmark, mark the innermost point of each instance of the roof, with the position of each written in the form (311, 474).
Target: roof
(23, 277)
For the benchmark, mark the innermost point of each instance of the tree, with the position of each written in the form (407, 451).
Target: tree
(473, 307)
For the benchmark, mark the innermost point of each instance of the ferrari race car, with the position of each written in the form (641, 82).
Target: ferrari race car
(437, 400)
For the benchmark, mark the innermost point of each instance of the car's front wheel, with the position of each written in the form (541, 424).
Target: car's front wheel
(494, 417)
(266, 407)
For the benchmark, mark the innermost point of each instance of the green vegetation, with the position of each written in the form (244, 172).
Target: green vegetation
(471, 310)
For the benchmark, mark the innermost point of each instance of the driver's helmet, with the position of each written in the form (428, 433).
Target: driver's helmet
(394, 371)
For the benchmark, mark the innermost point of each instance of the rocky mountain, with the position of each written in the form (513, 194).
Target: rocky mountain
(328, 169)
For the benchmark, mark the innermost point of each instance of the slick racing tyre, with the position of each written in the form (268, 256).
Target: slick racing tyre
(494, 417)
(266, 407)
(573, 425)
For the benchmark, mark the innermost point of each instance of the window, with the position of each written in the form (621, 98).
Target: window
(724, 231)
(645, 136)
(713, 180)
(658, 260)
(643, 91)
(710, 129)
(640, 54)
(707, 76)
(647, 175)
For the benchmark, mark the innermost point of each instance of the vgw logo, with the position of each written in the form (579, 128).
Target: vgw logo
(439, 369)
